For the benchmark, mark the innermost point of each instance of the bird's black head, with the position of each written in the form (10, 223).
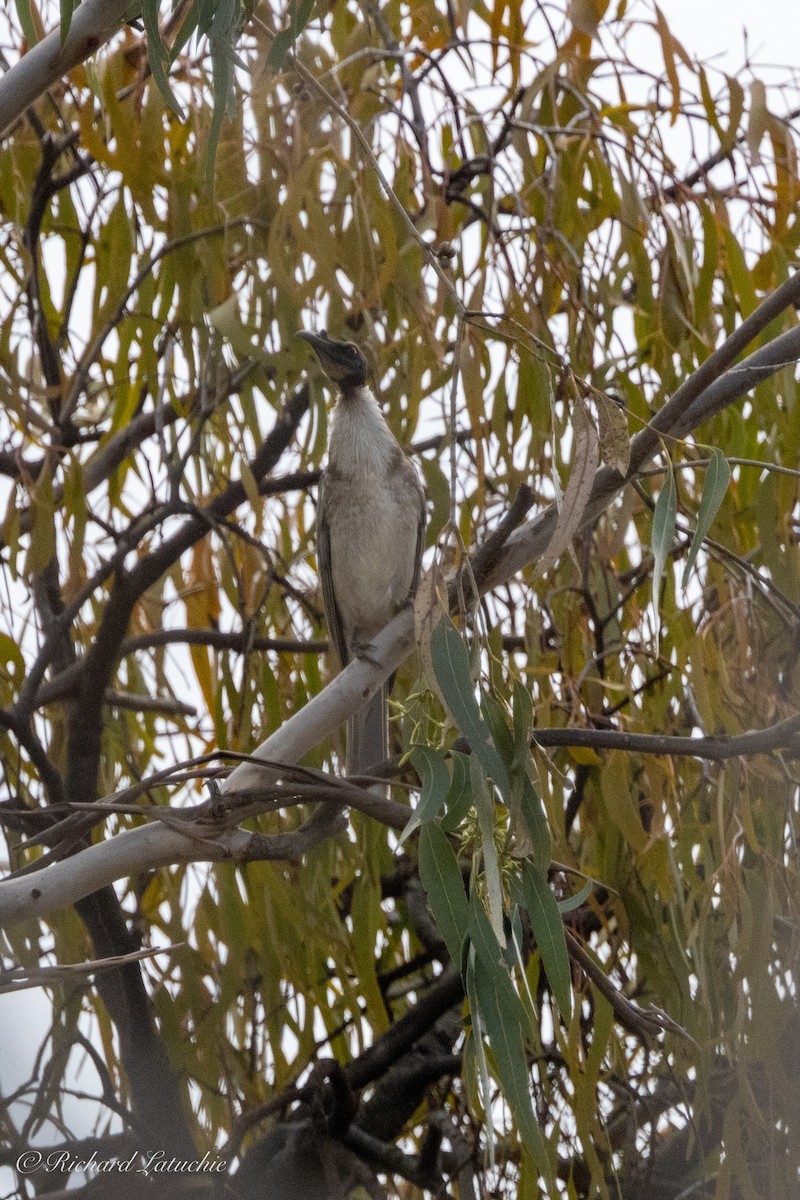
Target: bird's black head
(342, 362)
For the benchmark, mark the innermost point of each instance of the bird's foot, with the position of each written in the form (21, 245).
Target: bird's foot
(364, 651)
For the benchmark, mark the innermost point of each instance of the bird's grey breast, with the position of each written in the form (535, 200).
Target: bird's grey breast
(372, 522)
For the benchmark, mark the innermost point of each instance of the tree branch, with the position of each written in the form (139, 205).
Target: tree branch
(683, 412)
(86, 720)
(717, 748)
(93, 23)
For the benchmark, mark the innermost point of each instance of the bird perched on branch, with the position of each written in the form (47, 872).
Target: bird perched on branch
(370, 531)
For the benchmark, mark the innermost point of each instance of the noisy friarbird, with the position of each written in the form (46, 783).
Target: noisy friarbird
(370, 533)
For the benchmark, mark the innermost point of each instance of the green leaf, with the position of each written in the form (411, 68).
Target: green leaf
(157, 55)
(503, 1016)
(459, 797)
(432, 770)
(299, 16)
(26, 21)
(495, 718)
(664, 519)
(221, 39)
(573, 902)
(205, 15)
(535, 819)
(492, 953)
(189, 26)
(480, 1051)
(67, 9)
(528, 815)
(444, 887)
(491, 865)
(523, 724)
(451, 668)
(718, 476)
(548, 930)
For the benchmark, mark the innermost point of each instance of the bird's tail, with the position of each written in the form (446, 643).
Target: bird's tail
(368, 734)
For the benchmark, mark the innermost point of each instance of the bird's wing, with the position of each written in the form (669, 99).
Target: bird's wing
(332, 615)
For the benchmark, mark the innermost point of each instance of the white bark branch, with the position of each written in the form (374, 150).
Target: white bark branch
(94, 22)
(154, 845)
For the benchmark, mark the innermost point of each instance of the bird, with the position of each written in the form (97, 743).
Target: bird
(370, 533)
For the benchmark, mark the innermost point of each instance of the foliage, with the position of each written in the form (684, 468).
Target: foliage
(502, 194)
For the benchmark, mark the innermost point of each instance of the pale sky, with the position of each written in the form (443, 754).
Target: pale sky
(711, 27)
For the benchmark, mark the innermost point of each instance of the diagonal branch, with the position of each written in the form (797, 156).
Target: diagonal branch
(94, 22)
(86, 720)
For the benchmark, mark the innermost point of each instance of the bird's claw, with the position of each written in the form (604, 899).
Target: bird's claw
(362, 651)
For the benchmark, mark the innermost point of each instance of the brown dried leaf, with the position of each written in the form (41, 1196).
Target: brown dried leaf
(430, 604)
(585, 463)
(615, 442)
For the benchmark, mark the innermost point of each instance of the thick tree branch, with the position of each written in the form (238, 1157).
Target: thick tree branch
(94, 22)
(85, 724)
(138, 851)
(401, 1036)
(710, 389)
(154, 1087)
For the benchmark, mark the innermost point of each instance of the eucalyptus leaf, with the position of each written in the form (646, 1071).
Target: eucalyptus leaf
(548, 929)
(535, 820)
(432, 770)
(157, 55)
(459, 796)
(491, 865)
(26, 21)
(494, 715)
(573, 902)
(664, 520)
(444, 887)
(523, 723)
(67, 8)
(715, 486)
(505, 1020)
(299, 16)
(222, 36)
(479, 1050)
(451, 668)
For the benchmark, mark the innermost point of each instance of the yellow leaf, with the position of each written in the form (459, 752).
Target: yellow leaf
(586, 15)
(585, 755)
(42, 545)
(584, 464)
(670, 47)
(656, 863)
(615, 442)
(757, 121)
(616, 789)
(201, 599)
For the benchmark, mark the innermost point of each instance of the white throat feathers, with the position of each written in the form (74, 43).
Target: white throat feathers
(360, 440)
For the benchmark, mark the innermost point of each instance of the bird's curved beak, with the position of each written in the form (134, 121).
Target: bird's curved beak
(331, 354)
(312, 338)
